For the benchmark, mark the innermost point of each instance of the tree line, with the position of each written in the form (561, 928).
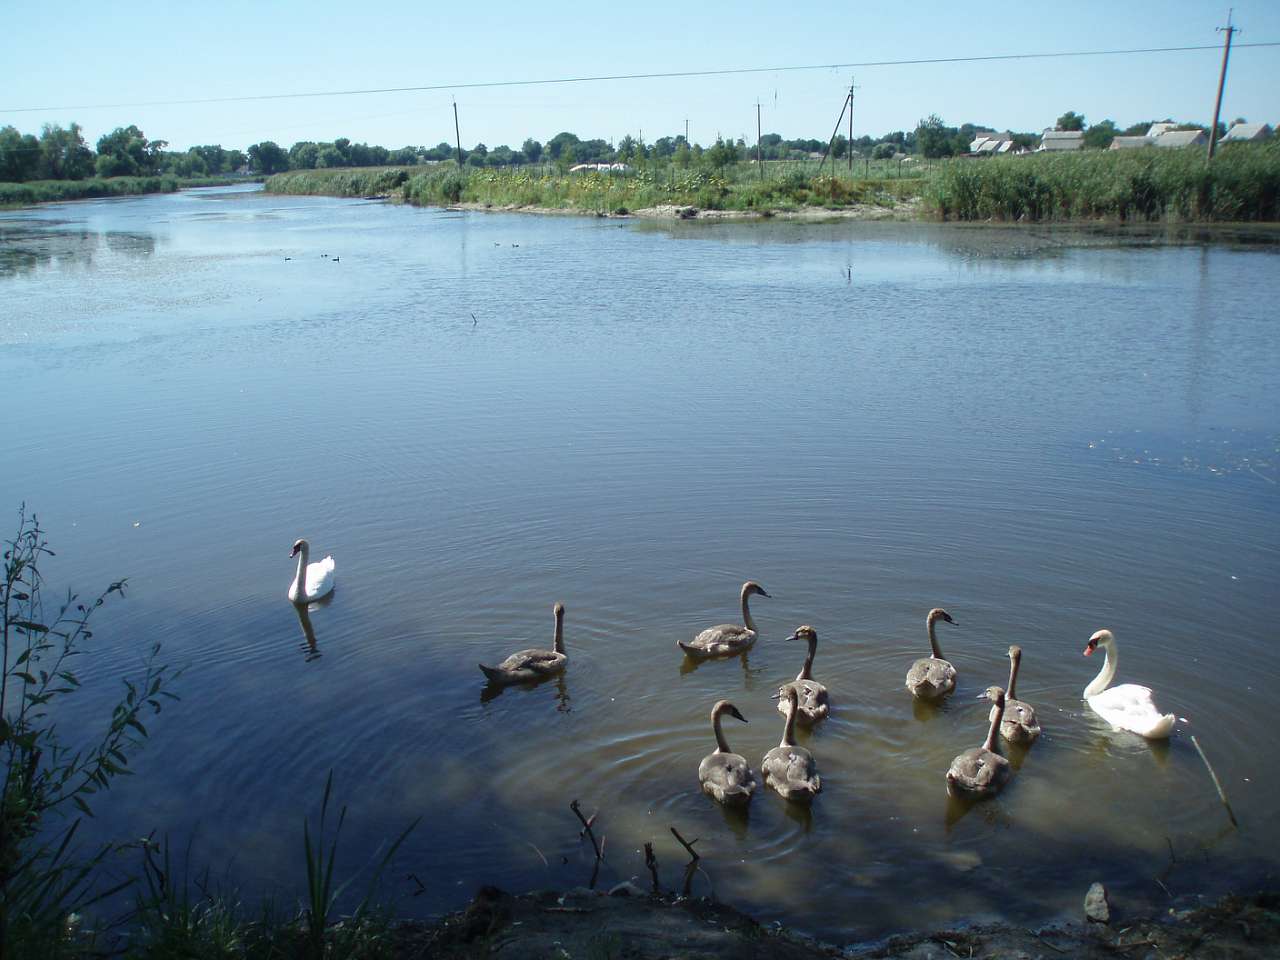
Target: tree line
(63, 154)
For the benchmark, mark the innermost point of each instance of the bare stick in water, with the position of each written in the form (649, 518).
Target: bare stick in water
(590, 834)
(1216, 782)
(691, 867)
(651, 862)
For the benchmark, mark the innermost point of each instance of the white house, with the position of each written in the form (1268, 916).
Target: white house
(1058, 140)
(1182, 138)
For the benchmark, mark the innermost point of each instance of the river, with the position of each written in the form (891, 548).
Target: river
(1045, 431)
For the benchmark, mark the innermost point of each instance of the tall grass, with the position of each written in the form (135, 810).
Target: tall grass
(1242, 183)
(735, 187)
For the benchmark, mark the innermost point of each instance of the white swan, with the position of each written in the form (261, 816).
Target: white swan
(313, 580)
(1128, 706)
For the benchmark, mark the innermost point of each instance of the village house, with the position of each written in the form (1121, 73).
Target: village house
(1247, 131)
(1057, 140)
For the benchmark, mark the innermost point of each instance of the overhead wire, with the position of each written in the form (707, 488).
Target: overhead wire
(668, 75)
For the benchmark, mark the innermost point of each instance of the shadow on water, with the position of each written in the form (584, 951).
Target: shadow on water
(24, 250)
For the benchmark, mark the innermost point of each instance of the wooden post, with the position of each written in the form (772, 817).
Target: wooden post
(1222, 80)
(844, 106)
(759, 159)
(456, 133)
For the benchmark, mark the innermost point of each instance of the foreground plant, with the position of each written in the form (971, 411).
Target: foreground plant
(49, 784)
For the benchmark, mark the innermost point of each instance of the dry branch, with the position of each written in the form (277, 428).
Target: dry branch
(1216, 782)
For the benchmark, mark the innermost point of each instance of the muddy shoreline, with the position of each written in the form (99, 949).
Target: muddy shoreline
(905, 210)
(630, 923)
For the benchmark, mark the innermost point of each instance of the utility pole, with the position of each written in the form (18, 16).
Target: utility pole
(1222, 80)
(686, 130)
(759, 159)
(456, 133)
(849, 148)
(848, 99)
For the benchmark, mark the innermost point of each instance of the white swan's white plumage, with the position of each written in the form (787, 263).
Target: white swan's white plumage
(1128, 706)
(313, 581)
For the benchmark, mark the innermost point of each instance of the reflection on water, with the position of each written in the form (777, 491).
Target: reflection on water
(872, 419)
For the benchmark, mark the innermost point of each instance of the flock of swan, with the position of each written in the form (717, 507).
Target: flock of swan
(789, 768)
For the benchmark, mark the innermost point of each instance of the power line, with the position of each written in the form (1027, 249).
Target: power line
(628, 76)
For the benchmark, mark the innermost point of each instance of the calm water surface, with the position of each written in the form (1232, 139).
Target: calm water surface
(1045, 432)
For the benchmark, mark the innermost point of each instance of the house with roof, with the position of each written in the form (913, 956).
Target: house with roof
(1241, 132)
(1156, 129)
(1128, 143)
(1182, 138)
(1053, 141)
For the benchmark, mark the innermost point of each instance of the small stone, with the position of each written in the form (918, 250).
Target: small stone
(1096, 907)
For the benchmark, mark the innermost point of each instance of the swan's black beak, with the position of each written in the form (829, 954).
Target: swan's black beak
(293, 552)
(765, 593)
(982, 696)
(794, 636)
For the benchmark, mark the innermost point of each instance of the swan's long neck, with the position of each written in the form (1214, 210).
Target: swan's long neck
(722, 745)
(300, 578)
(1013, 676)
(746, 613)
(558, 645)
(1107, 673)
(789, 731)
(806, 672)
(933, 641)
(998, 715)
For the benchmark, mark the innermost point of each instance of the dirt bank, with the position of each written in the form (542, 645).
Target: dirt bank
(903, 210)
(583, 924)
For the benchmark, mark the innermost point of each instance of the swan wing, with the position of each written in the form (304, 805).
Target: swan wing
(319, 578)
(536, 660)
(812, 700)
(726, 777)
(1132, 707)
(930, 678)
(721, 639)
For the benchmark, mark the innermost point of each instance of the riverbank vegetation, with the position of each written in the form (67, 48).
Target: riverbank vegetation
(1150, 184)
(53, 191)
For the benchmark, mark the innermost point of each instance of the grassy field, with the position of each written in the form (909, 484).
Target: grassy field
(52, 191)
(1242, 184)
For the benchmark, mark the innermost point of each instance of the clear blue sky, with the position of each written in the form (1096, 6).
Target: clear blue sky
(78, 54)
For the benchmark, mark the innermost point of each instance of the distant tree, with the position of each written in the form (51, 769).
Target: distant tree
(683, 155)
(839, 146)
(235, 160)
(933, 137)
(267, 158)
(19, 155)
(627, 147)
(1100, 134)
(532, 150)
(1137, 129)
(883, 151)
(501, 156)
(327, 155)
(404, 157)
(343, 146)
(64, 155)
(213, 156)
(557, 144)
(1070, 121)
(127, 151)
(303, 155)
(721, 154)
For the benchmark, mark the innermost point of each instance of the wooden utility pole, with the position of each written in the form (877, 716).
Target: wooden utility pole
(1222, 80)
(759, 159)
(849, 148)
(456, 133)
(686, 129)
(848, 97)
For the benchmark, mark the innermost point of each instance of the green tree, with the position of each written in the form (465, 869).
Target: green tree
(532, 149)
(1100, 134)
(883, 151)
(19, 155)
(64, 155)
(721, 154)
(327, 155)
(235, 160)
(127, 151)
(303, 155)
(934, 138)
(267, 158)
(557, 145)
(1070, 121)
